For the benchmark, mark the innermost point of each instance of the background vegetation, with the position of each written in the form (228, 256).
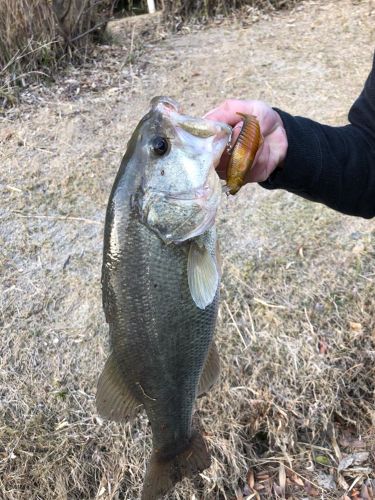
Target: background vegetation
(188, 9)
(293, 414)
(38, 36)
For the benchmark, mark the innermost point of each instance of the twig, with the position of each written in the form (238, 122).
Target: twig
(98, 25)
(19, 55)
(235, 324)
(13, 188)
(271, 459)
(266, 304)
(57, 217)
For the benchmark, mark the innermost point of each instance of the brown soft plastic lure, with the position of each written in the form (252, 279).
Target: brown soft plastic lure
(243, 153)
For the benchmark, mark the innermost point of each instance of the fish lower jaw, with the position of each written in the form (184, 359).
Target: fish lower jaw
(176, 218)
(170, 237)
(202, 193)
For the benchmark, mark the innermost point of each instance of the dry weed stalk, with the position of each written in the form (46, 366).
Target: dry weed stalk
(27, 36)
(184, 10)
(36, 34)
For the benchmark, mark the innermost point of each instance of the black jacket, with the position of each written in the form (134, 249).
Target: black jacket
(333, 165)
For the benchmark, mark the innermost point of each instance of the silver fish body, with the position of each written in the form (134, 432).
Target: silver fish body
(160, 282)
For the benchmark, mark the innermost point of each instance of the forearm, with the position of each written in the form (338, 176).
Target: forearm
(331, 165)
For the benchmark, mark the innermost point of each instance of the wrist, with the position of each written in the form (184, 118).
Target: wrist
(279, 142)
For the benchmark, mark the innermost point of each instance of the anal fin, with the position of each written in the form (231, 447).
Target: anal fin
(114, 400)
(211, 370)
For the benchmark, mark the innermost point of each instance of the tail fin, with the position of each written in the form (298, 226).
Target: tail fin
(163, 474)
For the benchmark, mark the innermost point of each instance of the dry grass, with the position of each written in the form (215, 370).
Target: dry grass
(293, 414)
(187, 10)
(36, 34)
(28, 41)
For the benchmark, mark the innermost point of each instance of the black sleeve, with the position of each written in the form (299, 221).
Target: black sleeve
(332, 165)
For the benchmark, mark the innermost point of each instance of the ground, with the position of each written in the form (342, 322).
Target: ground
(293, 414)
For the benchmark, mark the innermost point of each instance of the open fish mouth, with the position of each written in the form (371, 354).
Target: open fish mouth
(180, 216)
(196, 127)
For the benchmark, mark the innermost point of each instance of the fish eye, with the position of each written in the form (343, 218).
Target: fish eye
(160, 145)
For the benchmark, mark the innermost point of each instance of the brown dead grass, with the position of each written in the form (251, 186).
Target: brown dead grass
(177, 11)
(296, 324)
(29, 42)
(36, 36)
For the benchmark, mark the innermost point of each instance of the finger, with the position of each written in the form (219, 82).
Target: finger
(261, 167)
(228, 111)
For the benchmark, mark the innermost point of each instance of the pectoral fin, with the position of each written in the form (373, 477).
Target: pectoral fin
(114, 399)
(211, 370)
(203, 275)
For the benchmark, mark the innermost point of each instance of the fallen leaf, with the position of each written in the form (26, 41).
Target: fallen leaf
(335, 445)
(246, 491)
(360, 457)
(353, 459)
(326, 481)
(8, 135)
(355, 495)
(365, 494)
(263, 476)
(239, 495)
(351, 442)
(322, 346)
(62, 425)
(370, 484)
(355, 327)
(101, 491)
(250, 478)
(322, 460)
(342, 483)
(278, 490)
(258, 486)
(358, 248)
(282, 478)
(312, 492)
(345, 463)
(297, 480)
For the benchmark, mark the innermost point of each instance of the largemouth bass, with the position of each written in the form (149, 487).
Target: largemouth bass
(160, 280)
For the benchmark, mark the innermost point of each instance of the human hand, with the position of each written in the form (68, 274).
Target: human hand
(271, 153)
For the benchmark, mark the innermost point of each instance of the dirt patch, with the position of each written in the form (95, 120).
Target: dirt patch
(296, 326)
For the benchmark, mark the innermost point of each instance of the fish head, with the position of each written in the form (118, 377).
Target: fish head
(179, 190)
